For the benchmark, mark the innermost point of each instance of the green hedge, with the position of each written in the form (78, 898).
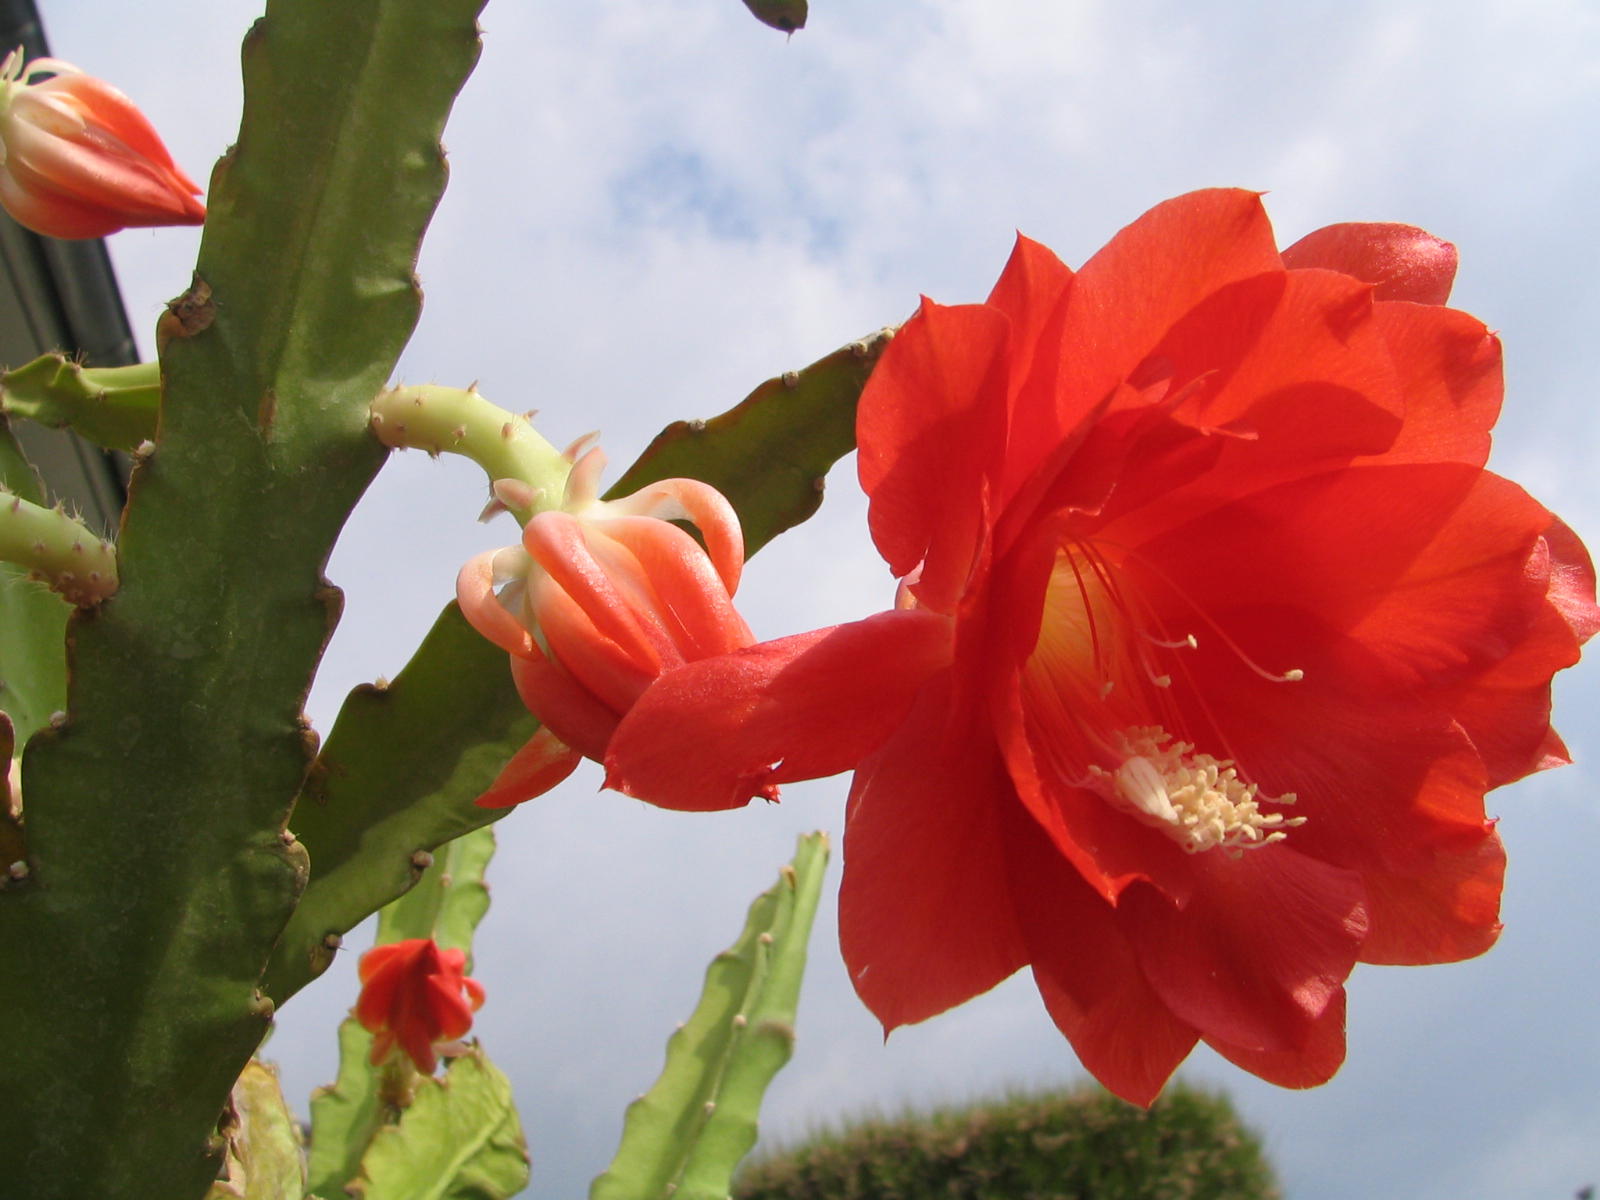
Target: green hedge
(1081, 1144)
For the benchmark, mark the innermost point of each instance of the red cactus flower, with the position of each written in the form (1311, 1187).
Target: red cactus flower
(78, 160)
(414, 995)
(599, 599)
(1213, 633)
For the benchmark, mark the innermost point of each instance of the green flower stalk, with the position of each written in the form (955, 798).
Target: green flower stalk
(115, 407)
(450, 420)
(57, 549)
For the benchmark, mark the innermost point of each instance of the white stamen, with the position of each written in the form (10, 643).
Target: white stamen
(1197, 800)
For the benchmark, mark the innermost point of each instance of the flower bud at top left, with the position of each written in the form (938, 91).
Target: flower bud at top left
(78, 160)
(598, 601)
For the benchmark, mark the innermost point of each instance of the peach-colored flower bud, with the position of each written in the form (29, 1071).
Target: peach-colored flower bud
(597, 602)
(78, 160)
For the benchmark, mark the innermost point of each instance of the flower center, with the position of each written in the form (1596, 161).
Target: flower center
(1109, 676)
(1197, 800)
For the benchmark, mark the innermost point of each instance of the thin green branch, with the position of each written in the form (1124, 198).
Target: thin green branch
(446, 420)
(57, 549)
(115, 407)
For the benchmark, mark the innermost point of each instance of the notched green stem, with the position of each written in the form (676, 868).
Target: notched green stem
(57, 549)
(446, 420)
(115, 407)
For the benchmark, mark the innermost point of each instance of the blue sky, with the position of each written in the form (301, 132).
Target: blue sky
(655, 204)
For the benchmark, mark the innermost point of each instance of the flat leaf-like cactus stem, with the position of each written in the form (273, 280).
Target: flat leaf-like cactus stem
(397, 778)
(687, 1134)
(161, 875)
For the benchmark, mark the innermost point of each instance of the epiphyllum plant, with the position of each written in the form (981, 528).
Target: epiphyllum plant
(1213, 632)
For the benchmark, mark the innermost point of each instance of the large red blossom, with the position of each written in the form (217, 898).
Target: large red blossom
(78, 160)
(415, 995)
(1214, 632)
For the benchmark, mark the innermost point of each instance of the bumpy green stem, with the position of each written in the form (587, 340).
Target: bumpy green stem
(685, 1137)
(115, 407)
(57, 549)
(450, 420)
(477, 1124)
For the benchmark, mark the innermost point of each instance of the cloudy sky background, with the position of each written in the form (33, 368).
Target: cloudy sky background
(656, 204)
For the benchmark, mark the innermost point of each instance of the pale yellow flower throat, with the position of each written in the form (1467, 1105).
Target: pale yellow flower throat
(1100, 654)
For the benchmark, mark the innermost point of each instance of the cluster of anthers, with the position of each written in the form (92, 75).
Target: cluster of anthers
(1196, 799)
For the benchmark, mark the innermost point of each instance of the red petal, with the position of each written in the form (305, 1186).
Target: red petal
(707, 508)
(600, 580)
(382, 1043)
(1259, 952)
(1312, 1064)
(1572, 581)
(1032, 284)
(1402, 262)
(572, 713)
(715, 733)
(1087, 973)
(109, 109)
(925, 913)
(1127, 296)
(452, 1017)
(45, 210)
(1265, 353)
(1448, 912)
(544, 761)
(1391, 588)
(614, 674)
(1505, 711)
(483, 610)
(1449, 370)
(692, 600)
(386, 973)
(418, 1043)
(1033, 291)
(930, 424)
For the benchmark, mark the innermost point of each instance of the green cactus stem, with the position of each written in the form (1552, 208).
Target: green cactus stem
(115, 407)
(263, 1159)
(684, 1138)
(446, 904)
(162, 873)
(33, 661)
(446, 420)
(57, 549)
